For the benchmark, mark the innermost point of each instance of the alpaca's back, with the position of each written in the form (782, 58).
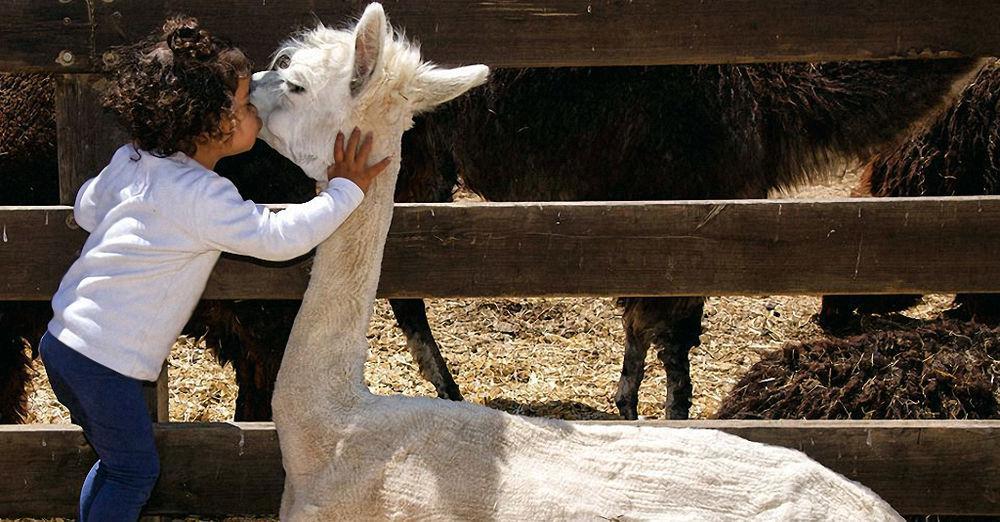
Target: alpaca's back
(958, 154)
(29, 172)
(678, 132)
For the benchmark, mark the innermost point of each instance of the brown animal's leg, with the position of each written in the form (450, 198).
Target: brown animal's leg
(674, 325)
(411, 316)
(21, 326)
(426, 175)
(674, 345)
(255, 379)
(15, 373)
(263, 331)
(251, 335)
(634, 364)
(836, 313)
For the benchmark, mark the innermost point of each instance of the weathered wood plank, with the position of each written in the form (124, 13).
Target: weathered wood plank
(45, 36)
(88, 136)
(920, 467)
(206, 469)
(748, 247)
(537, 33)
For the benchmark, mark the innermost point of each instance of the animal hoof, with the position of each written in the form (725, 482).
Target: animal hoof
(628, 412)
(451, 394)
(677, 414)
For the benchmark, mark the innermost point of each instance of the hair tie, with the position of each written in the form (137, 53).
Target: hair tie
(191, 42)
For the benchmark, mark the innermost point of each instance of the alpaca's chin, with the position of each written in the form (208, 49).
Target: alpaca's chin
(273, 141)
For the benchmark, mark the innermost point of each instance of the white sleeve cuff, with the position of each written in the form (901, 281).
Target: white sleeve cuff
(348, 188)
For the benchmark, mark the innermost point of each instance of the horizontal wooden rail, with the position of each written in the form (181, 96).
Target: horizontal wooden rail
(73, 35)
(741, 247)
(920, 467)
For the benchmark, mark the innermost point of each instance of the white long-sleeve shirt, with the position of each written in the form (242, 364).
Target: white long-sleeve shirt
(157, 227)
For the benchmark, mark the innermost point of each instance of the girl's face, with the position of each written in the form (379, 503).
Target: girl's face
(242, 132)
(248, 124)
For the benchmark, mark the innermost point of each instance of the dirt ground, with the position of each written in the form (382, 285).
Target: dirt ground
(551, 357)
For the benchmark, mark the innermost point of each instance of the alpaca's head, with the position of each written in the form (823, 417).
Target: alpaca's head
(324, 80)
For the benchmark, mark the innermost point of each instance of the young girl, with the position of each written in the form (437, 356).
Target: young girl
(158, 218)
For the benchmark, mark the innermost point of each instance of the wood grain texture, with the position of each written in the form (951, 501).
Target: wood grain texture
(207, 469)
(517, 33)
(738, 247)
(46, 36)
(919, 467)
(88, 136)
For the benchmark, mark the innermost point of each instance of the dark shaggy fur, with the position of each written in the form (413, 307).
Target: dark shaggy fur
(648, 133)
(21, 326)
(14, 380)
(946, 370)
(678, 132)
(956, 154)
(251, 335)
(28, 163)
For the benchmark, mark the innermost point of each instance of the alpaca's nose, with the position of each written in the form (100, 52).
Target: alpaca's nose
(257, 79)
(258, 89)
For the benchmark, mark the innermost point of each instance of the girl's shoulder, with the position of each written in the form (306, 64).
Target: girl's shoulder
(175, 177)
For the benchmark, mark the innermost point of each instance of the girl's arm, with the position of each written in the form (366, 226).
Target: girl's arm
(85, 208)
(224, 221)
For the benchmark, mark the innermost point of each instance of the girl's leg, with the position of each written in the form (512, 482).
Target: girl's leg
(91, 485)
(111, 409)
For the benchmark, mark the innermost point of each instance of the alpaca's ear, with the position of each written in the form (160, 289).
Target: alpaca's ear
(369, 38)
(432, 87)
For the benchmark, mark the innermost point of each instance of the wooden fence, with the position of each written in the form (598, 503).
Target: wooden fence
(748, 247)
(517, 249)
(227, 468)
(73, 35)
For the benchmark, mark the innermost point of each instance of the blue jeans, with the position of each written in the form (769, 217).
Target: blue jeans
(112, 412)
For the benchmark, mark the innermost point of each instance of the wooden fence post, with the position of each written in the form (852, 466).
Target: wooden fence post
(88, 136)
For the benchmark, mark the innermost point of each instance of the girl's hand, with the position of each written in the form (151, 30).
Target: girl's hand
(350, 163)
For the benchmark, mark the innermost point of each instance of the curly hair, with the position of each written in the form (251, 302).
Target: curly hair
(175, 87)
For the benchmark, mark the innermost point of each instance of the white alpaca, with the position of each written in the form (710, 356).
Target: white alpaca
(352, 455)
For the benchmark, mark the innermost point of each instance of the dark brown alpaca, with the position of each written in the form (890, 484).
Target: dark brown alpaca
(955, 154)
(668, 133)
(940, 370)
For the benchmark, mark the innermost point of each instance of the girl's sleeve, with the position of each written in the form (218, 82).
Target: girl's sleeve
(85, 207)
(224, 221)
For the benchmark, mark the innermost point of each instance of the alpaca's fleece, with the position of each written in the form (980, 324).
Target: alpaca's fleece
(350, 454)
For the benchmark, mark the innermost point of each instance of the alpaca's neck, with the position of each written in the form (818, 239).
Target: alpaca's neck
(328, 341)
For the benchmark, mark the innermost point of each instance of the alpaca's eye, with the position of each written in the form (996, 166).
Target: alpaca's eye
(283, 62)
(295, 88)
